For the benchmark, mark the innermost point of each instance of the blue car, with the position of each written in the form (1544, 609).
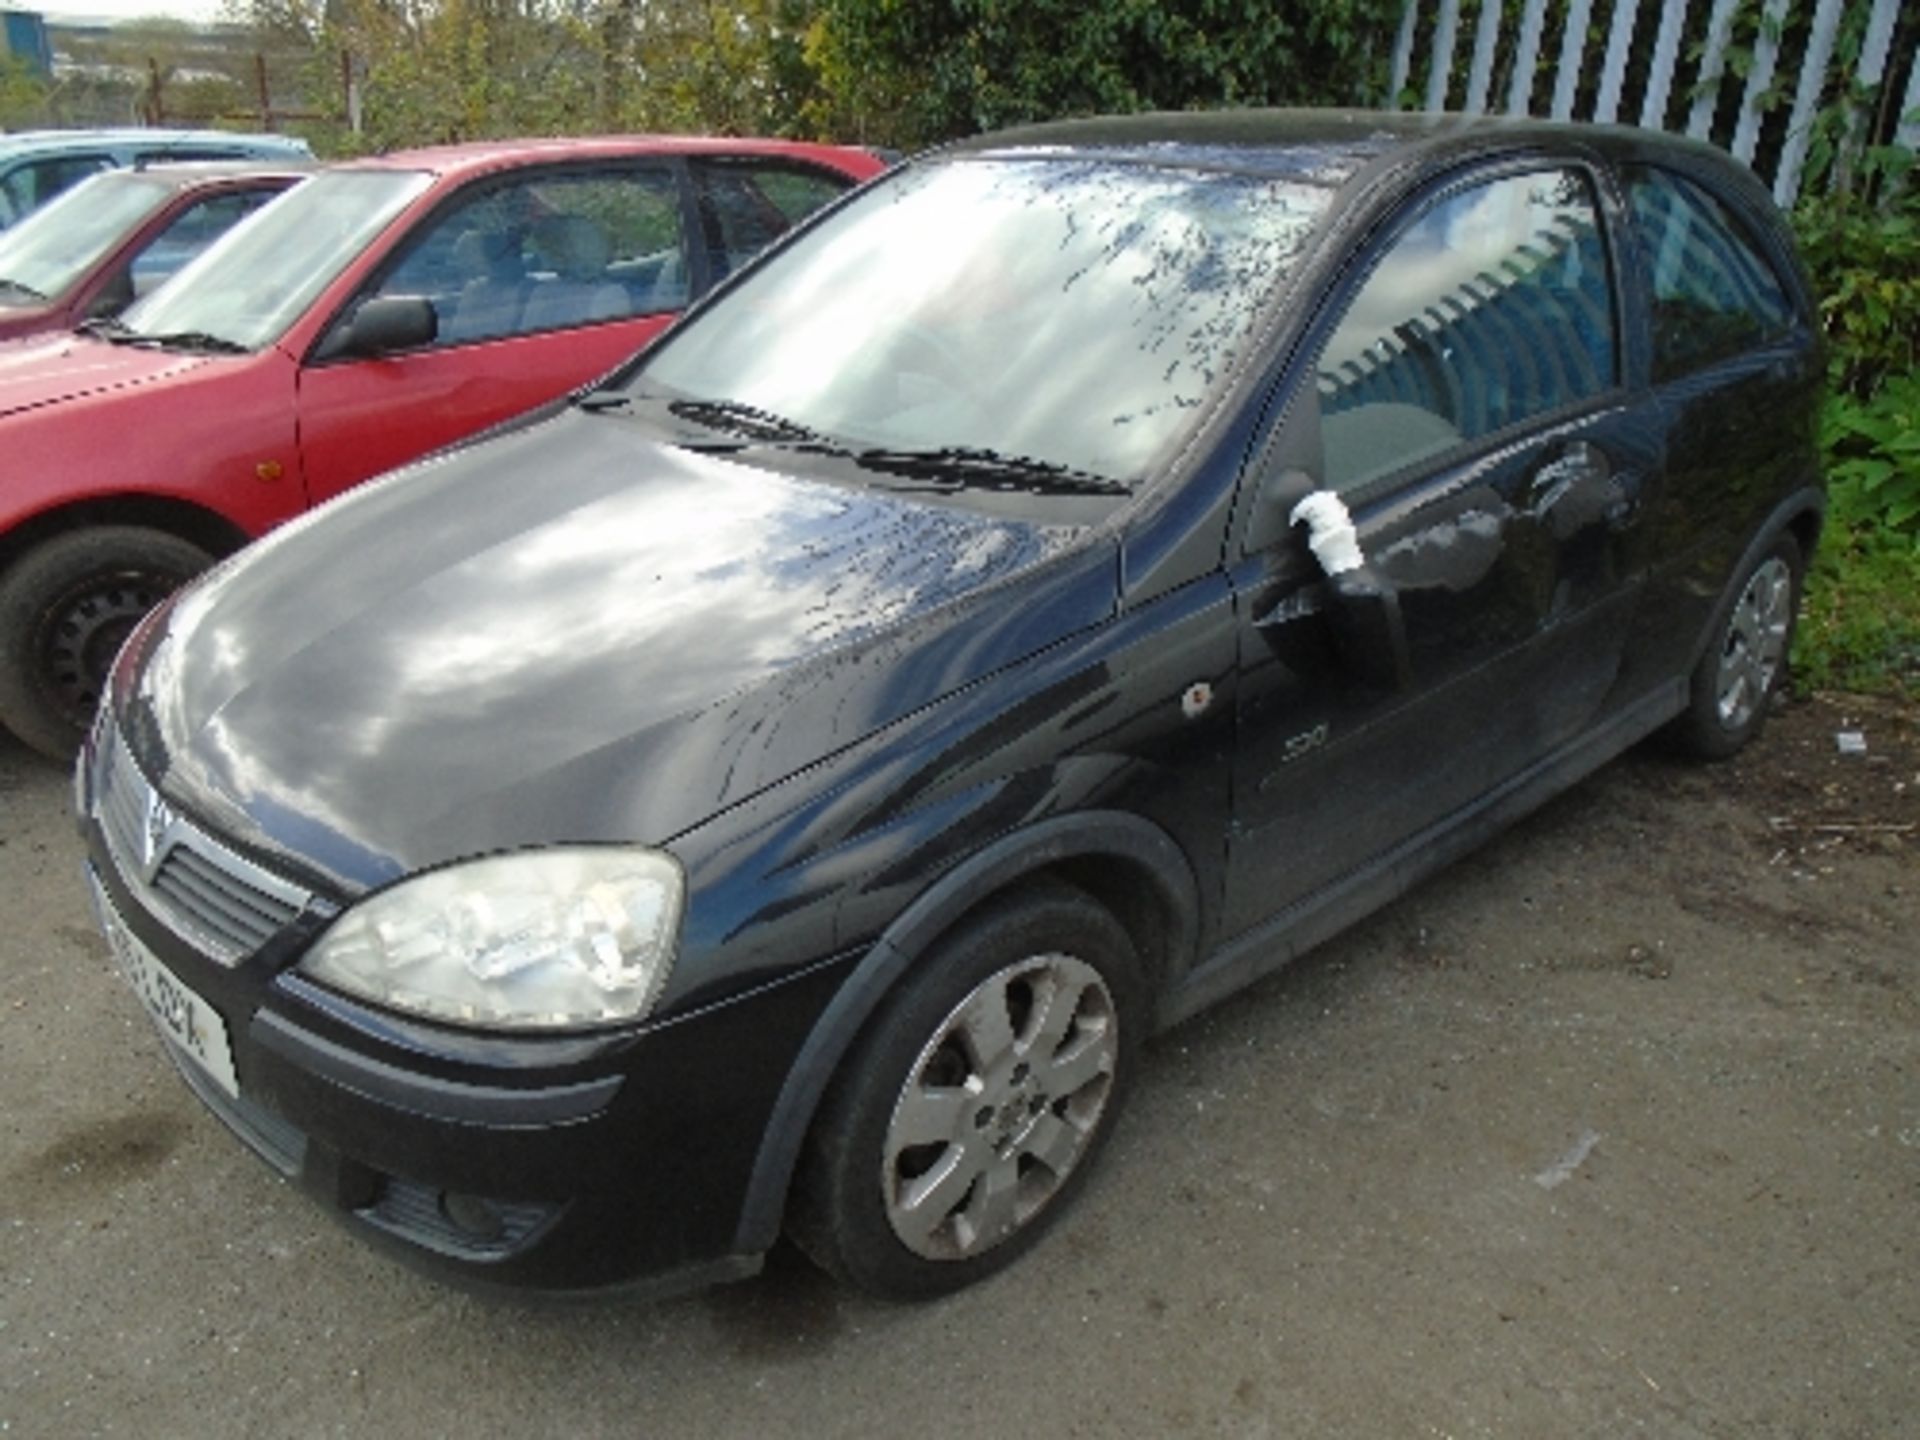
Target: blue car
(36, 165)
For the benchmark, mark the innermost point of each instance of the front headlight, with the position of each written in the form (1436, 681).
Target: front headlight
(542, 940)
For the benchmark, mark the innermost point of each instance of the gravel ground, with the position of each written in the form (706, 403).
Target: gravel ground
(1613, 1128)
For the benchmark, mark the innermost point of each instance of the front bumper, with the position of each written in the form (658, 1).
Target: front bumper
(615, 1160)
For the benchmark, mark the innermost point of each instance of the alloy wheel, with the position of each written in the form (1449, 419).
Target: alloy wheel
(1755, 643)
(1000, 1105)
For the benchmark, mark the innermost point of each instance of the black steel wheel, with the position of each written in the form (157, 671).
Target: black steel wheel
(962, 1125)
(66, 607)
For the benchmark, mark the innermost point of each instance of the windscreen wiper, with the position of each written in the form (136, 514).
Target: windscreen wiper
(741, 424)
(966, 467)
(14, 287)
(106, 327)
(737, 418)
(185, 340)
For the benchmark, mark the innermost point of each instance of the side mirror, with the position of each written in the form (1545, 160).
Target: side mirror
(1369, 633)
(1363, 606)
(383, 325)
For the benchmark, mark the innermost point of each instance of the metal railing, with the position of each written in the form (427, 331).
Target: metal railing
(1670, 65)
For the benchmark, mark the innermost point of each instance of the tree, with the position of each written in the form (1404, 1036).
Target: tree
(23, 93)
(912, 74)
(898, 72)
(729, 68)
(447, 70)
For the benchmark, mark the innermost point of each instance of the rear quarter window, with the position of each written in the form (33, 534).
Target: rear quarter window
(1714, 292)
(745, 205)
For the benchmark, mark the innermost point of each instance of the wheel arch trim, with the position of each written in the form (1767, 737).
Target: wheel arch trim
(188, 520)
(1802, 511)
(997, 867)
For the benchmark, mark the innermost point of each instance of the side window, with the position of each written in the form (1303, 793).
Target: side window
(32, 185)
(191, 231)
(745, 205)
(1493, 305)
(547, 252)
(1714, 294)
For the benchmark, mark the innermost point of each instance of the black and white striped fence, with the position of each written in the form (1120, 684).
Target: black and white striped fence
(1668, 64)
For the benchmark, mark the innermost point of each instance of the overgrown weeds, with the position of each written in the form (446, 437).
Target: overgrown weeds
(1860, 627)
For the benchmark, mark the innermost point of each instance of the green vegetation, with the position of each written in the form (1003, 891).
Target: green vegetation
(875, 71)
(1861, 625)
(1860, 622)
(916, 74)
(23, 93)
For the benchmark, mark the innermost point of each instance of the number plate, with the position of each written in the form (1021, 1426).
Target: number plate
(194, 1026)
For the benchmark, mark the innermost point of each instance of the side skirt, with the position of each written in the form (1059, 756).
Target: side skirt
(1298, 928)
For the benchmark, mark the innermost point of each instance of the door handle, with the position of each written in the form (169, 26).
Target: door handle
(1579, 462)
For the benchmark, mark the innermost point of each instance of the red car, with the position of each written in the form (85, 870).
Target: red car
(117, 235)
(378, 311)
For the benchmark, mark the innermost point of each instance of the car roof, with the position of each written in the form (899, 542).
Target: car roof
(454, 160)
(31, 142)
(192, 174)
(1332, 144)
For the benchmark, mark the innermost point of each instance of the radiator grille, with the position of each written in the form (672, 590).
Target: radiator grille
(221, 903)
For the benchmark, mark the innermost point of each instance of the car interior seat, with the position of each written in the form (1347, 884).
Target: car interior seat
(576, 249)
(494, 290)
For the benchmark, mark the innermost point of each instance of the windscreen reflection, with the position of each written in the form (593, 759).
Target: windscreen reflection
(1076, 311)
(252, 283)
(58, 243)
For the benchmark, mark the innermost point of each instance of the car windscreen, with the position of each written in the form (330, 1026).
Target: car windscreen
(60, 242)
(1075, 312)
(249, 286)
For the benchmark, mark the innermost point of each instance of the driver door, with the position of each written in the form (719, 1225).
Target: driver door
(540, 282)
(1465, 403)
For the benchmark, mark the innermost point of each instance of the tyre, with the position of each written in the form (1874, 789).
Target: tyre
(961, 1126)
(1747, 661)
(65, 608)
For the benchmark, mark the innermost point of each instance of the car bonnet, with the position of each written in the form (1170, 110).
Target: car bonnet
(50, 370)
(575, 633)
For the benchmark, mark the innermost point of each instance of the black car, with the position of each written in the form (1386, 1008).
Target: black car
(784, 785)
